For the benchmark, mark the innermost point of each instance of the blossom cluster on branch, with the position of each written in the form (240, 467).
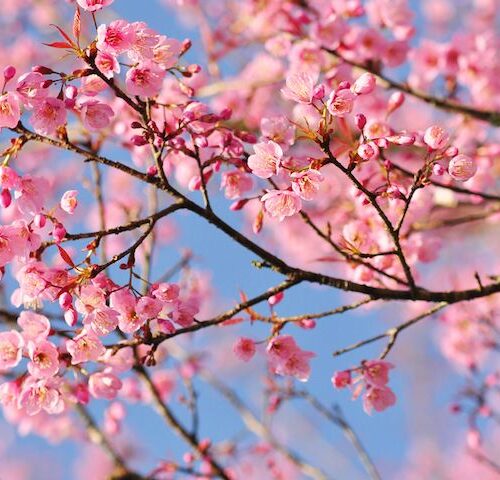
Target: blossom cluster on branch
(335, 176)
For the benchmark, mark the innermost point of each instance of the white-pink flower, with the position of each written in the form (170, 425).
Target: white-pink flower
(69, 201)
(94, 5)
(265, 162)
(306, 184)
(10, 112)
(11, 349)
(104, 385)
(341, 102)
(281, 203)
(44, 359)
(300, 87)
(436, 137)
(462, 168)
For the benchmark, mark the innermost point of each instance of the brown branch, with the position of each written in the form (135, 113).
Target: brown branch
(392, 333)
(491, 117)
(175, 424)
(337, 418)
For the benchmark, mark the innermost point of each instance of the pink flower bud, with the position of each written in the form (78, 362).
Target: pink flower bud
(225, 114)
(69, 201)
(395, 101)
(43, 70)
(360, 121)
(138, 140)
(238, 204)
(436, 137)
(462, 168)
(71, 92)
(9, 72)
(152, 171)
(319, 92)
(40, 220)
(275, 299)
(344, 85)
(438, 169)
(382, 142)
(366, 151)
(341, 379)
(364, 84)
(65, 301)
(451, 152)
(194, 68)
(307, 323)
(59, 232)
(71, 317)
(5, 198)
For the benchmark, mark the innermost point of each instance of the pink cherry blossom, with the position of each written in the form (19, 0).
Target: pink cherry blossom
(341, 102)
(462, 168)
(10, 112)
(265, 162)
(279, 130)
(35, 327)
(107, 63)
(115, 38)
(48, 115)
(96, 115)
(37, 395)
(11, 349)
(378, 398)
(94, 5)
(104, 385)
(376, 372)
(436, 137)
(236, 183)
(145, 79)
(85, 347)
(44, 359)
(281, 203)
(306, 184)
(300, 87)
(364, 84)
(341, 379)
(244, 348)
(69, 201)
(30, 88)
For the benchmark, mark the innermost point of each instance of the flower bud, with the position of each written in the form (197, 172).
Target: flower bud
(40, 220)
(364, 84)
(5, 198)
(59, 232)
(71, 317)
(395, 101)
(438, 169)
(462, 168)
(65, 301)
(360, 121)
(152, 171)
(9, 72)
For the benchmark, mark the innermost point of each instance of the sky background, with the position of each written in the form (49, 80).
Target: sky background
(389, 437)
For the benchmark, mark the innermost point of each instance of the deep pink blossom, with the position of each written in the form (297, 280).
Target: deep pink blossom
(244, 348)
(378, 398)
(48, 115)
(145, 79)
